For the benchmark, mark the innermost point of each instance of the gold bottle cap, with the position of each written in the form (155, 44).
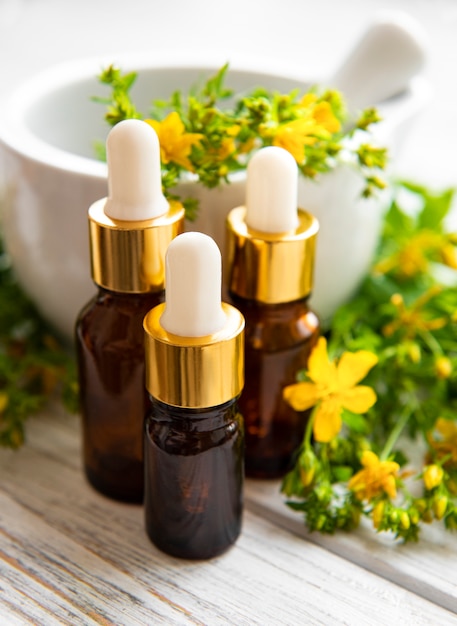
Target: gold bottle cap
(270, 268)
(128, 256)
(195, 372)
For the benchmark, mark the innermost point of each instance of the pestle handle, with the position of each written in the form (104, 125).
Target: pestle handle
(382, 62)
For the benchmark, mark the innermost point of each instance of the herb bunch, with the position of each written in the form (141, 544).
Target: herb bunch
(33, 363)
(211, 133)
(399, 334)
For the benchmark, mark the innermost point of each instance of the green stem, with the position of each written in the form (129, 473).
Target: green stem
(432, 343)
(395, 433)
(309, 430)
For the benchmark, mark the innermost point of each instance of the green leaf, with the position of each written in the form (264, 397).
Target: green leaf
(435, 210)
(356, 423)
(342, 473)
(397, 223)
(297, 506)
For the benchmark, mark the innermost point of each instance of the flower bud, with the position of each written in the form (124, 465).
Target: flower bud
(427, 517)
(432, 476)
(451, 521)
(405, 521)
(414, 516)
(440, 506)
(414, 353)
(443, 367)
(378, 513)
(307, 465)
(397, 299)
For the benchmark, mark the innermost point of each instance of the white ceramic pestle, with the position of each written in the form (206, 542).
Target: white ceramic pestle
(390, 52)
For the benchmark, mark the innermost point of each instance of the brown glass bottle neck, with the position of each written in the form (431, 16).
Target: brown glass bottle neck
(195, 420)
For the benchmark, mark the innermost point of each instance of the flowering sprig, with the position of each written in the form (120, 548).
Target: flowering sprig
(407, 321)
(201, 134)
(34, 364)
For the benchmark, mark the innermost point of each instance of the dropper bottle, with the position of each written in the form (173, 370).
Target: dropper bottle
(270, 259)
(129, 233)
(194, 441)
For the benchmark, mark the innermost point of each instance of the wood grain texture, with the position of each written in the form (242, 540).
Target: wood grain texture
(427, 568)
(70, 556)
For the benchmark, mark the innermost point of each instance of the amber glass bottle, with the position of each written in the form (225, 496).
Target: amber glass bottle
(278, 341)
(269, 281)
(128, 266)
(110, 344)
(194, 439)
(194, 468)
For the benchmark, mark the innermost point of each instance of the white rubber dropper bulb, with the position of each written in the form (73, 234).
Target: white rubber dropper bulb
(193, 287)
(134, 178)
(271, 191)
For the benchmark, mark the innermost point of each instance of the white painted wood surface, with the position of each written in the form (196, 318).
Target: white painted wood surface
(70, 556)
(428, 568)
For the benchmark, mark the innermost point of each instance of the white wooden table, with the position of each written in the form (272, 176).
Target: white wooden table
(70, 556)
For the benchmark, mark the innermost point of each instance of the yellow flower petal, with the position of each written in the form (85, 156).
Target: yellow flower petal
(389, 486)
(324, 116)
(354, 366)
(447, 428)
(449, 256)
(369, 459)
(301, 396)
(327, 420)
(308, 99)
(375, 478)
(358, 400)
(320, 369)
(294, 135)
(175, 142)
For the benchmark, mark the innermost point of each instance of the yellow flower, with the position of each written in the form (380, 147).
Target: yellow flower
(412, 320)
(413, 259)
(445, 444)
(376, 478)
(226, 148)
(294, 136)
(449, 256)
(432, 476)
(324, 117)
(321, 112)
(316, 121)
(175, 143)
(307, 100)
(333, 387)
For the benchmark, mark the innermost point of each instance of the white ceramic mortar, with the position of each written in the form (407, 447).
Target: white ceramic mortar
(49, 178)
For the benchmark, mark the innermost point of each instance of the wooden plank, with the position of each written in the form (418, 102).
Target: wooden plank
(70, 551)
(427, 568)
(25, 601)
(265, 579)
